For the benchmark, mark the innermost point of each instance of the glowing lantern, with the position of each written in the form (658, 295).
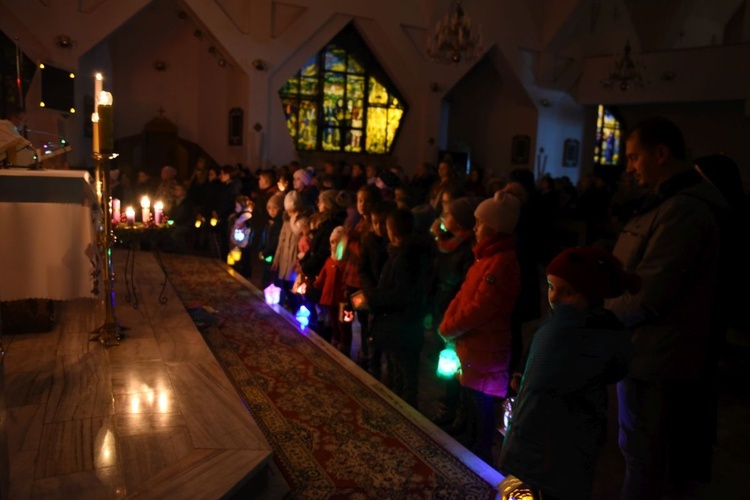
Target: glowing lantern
(214, 221)
(198, 222)
(273, 294)
(448, 364)
(236, 254)
(303, 316)
(230, 260)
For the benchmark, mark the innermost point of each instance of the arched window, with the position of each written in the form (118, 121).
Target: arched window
(342, 100)
(608, 137)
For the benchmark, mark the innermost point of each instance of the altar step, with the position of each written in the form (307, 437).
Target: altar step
(154, 417)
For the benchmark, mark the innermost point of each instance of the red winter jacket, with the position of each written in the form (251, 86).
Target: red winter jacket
(478, 318)
(331, 283)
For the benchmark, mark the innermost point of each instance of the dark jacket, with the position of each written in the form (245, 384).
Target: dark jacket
(560, 416)
(398, 302)
(449, 274)
(373, 254)
(672, 243)
(270, 237)
(320, 246)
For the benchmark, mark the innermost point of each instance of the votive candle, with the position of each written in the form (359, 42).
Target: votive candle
(158, 212)
(130, 215)
(116, 209)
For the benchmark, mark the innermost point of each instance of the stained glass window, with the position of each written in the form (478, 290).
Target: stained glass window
(608, 136)
(342, 100)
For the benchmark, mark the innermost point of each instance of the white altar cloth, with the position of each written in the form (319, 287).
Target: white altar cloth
(48, 235)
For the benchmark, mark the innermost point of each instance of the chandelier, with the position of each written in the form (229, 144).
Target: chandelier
(453, 40)
(626, 72)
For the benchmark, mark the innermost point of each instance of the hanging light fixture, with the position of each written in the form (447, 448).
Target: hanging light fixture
(454, 40)
(626, 73)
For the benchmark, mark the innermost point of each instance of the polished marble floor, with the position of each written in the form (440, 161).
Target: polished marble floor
(154, 417)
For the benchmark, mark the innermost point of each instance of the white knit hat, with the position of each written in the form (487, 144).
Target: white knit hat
(292, 201)
(499, 212)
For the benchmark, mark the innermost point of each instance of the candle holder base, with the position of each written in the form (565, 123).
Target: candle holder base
(109, 334)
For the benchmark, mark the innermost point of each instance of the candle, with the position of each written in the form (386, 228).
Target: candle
(130, 215)
(98, 80)
(115, 210)
(158, 212)
(95, 131)
(105, 123)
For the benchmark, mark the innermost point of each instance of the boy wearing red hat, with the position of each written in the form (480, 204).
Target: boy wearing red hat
(559, 421)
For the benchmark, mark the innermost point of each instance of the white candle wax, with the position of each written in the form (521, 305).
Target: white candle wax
(158, 212)
(115, 210)
(146, 215)
(130, 215)
(98, 81)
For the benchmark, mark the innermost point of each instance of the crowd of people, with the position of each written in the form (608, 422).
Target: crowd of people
(635, 275)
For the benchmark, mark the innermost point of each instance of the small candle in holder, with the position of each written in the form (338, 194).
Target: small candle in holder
(130, 216)
(146, 205)
(158, 212)
(115, 210)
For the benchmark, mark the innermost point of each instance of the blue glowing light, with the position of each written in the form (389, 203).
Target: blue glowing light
(303, 316)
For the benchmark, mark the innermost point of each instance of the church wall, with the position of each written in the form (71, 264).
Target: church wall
(193, 91)
(484, 117)
(709, 128)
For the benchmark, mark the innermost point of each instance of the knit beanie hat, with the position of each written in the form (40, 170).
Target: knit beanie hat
(336, 234)
(594, 273)
(303, 175)
(500, 212)
(292, 201)
(277, 200)
(462, 209)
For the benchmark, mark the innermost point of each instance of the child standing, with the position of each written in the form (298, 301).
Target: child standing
(285, 259)
(478, 318)
(398, 304)
(559, 420)
(241, 235)
(367, 196)
(331, 284)
(454, 240)
(373, 254)
(270, 237)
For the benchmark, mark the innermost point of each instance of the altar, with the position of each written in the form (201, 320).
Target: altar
(48, 235)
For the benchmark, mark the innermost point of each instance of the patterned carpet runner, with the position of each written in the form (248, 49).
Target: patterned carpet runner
(332, 435)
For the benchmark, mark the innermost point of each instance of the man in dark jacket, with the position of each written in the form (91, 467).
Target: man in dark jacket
(672, 243)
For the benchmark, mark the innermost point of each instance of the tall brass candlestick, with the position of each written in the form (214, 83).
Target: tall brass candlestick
(110, 332)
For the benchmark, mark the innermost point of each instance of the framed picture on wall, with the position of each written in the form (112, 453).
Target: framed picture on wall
(236, 121)
(519, 150)
(570, 153)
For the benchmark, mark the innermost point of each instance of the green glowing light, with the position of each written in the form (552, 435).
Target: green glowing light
(442, 228)
(170, 222)
(340, 247)
(269, 259)
(448, 364)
